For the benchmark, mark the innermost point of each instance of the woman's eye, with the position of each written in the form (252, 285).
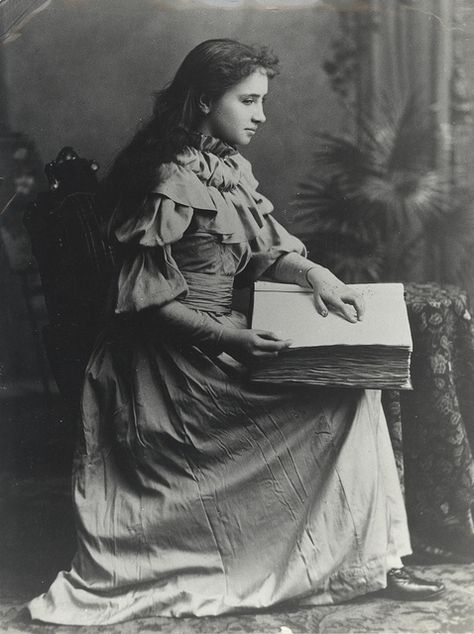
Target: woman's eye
(248, 102)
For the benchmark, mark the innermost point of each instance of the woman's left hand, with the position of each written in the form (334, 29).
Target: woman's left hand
(328, 290)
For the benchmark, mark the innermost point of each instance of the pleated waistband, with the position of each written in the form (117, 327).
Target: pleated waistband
(209, 292)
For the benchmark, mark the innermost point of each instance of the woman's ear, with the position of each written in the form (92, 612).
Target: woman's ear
(204, 104)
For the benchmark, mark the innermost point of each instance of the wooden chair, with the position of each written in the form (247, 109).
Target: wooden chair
(76, 261)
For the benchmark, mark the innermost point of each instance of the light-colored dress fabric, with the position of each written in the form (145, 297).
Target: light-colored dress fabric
(197, 492)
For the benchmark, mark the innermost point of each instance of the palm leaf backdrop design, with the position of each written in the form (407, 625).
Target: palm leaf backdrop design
(370, 208)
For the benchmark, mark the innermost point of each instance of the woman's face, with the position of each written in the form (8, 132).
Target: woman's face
(235, 116)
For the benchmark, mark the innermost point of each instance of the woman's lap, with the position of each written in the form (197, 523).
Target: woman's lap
(200, 495)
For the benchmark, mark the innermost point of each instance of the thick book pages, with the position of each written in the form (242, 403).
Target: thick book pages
(372, 353)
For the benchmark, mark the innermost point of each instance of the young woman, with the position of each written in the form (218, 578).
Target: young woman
(197, 492)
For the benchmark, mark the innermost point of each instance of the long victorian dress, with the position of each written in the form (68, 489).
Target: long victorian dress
(197, 492)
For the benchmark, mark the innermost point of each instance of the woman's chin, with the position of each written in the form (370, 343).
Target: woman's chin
(244, 140)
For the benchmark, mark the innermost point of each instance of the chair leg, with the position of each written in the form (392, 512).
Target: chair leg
(36, 330)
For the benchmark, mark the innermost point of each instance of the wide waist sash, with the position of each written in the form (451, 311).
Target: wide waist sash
(209, 292)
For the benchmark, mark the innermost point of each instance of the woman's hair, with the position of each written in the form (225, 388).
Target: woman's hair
(209, 69)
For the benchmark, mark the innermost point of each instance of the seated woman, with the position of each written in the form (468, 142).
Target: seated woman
(197, 492)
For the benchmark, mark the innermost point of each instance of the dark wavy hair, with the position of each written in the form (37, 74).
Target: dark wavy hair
(209, 69)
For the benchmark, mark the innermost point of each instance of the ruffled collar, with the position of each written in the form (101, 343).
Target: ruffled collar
(220, 189)
(206, 143)
(215, 163)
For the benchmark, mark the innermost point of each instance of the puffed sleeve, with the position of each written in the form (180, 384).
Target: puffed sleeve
(272, 241)
(149, 275)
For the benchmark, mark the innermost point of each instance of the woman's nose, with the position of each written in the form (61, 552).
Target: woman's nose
(259, 115)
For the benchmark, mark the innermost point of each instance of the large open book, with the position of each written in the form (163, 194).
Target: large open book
(372, 353)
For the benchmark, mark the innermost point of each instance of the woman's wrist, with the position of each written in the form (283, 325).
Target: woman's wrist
(311, 275)
(292, 268)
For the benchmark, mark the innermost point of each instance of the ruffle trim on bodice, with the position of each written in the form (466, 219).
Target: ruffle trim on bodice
(206, 143)
(208, 189)
(218, 192)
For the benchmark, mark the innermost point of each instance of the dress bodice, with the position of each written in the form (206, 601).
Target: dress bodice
(203, 223)
(209, 266)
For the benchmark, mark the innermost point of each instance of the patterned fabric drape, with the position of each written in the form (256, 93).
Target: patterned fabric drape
(438, 418)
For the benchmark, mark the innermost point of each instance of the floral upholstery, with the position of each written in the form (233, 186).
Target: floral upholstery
(438, 416)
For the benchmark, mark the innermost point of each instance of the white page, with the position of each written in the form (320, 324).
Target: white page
(289, 311)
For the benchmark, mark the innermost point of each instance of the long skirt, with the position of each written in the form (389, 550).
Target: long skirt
(199, 493)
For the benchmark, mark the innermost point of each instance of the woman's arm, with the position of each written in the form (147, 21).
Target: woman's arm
(329, 290)
(280, 256)
(193, 327)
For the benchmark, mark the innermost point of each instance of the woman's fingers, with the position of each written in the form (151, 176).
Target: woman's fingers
(268, 345)
(320, 305)
(267, 334)
(346, 310)
(345, 301)
(260, 354)
(357, 301)
(250, 345)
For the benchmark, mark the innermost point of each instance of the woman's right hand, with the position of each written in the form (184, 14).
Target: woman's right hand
(249, 346)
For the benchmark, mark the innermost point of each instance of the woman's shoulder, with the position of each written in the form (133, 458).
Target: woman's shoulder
(217, 188)
(181, 180)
